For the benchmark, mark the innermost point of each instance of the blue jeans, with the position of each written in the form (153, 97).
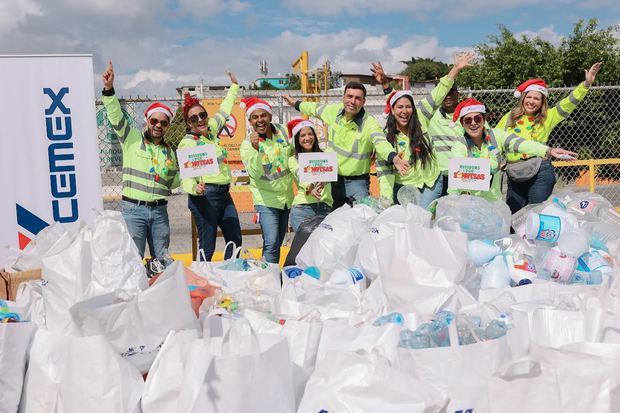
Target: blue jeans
(148, 225)
(532, 191)
(355, 186)
(212, 209)
(299, 213)
(427, 194)
(273, 223)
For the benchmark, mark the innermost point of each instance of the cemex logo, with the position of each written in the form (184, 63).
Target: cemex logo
(29, 222)
(61, 162)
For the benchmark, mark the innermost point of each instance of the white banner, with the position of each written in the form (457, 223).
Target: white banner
(198, 161)
(469, 174)
(318, 167)
(48, 135)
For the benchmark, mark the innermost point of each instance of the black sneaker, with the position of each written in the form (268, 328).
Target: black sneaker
(154, 267)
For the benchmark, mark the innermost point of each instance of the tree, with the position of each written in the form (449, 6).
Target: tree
(264, 85)
(294, 81)
(422, 68)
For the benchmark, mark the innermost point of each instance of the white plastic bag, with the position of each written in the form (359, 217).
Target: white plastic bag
(116, 262)
(238, 373)
(333, 244)
(30, 298)
(79, 374)
(420, 267)
(15, 339)
(350, 382)
(137, 326)
(163, 384)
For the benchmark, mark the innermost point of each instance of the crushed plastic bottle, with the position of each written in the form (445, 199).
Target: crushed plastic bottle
(414, 339)
(408, 194)
(495, 329)
(396, 318)
(439, 328)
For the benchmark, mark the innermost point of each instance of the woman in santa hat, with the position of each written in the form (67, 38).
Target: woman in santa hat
(208, 196)
(407, 130)
(481, 142)
(531, 179)
(312, 198)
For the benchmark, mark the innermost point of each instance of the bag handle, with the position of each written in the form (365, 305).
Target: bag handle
(234, 340)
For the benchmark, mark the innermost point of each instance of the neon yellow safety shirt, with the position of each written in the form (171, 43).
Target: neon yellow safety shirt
(216, 123)
(150, 171)
(353, 140)
(302, 198)
(417, 175)
(494, 146)
(526, 129)
(271, 181)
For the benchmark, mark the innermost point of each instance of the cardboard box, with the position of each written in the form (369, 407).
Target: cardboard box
(9, 281)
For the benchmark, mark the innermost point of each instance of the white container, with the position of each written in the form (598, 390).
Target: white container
(351, 276)
(543, 227)
(482, 251)
(495, 274)
(574, 242)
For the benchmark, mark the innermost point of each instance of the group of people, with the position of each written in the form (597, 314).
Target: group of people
(413, 149)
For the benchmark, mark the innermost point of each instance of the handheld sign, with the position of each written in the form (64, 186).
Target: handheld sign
(471, 174)
(198, 161)
(318, 167)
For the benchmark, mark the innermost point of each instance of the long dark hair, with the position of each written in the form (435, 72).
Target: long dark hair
(315, 145)
(419, 145)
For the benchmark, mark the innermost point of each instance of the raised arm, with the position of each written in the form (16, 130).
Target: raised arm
(117, 119)
(218, 121)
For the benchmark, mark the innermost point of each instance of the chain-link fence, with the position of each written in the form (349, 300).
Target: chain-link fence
(592, 130)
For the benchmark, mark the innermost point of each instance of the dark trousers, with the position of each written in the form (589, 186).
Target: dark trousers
(532, 191)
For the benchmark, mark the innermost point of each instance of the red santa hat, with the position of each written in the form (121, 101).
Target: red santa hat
(297, 124)
(538, 85)
(158, 107)
(252, 103)
(467, 106)
(393, 97)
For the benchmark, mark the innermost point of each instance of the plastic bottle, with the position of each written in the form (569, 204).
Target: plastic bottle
(439, 328)
(594, 261)
(522, 268)
(574, 242)
(495, 274)
(482, 251)
(351, 276)
(414, 339)
(408, 194)
(559, 266)
(313, 272)
(396, 318)
(543, 227)
(464, 331)
(587, 278)
(495, 329)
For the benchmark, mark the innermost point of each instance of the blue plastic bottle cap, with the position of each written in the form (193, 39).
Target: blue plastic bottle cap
(293, 272)
(525, 281)
(313, 272)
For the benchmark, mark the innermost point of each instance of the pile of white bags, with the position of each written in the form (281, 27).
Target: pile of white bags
(388, 310)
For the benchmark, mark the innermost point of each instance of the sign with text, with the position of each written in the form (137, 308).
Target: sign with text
(471, 174)
(198, 161)
(318, 167)
(48, 133)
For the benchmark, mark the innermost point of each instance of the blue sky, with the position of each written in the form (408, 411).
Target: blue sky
(157, 45)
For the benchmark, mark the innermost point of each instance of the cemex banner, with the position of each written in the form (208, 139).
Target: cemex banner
(48, 134)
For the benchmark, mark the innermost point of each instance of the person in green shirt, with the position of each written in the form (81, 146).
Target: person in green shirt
(150, 172)
(407, 130)
(208, 196)
(265, 154)
(354, 135)
(533, 119)
(312, 198)
(482, 142)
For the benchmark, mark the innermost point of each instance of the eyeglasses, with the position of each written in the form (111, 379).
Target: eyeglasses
(163, 123)
(475, 119)
(201, 115)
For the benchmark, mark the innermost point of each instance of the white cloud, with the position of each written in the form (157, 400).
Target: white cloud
(13, 12)
(547, 33)
(209, 8)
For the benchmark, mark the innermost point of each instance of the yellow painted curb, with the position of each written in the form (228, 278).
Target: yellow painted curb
(186, 258)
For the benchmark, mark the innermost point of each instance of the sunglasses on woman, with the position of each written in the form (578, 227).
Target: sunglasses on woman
(201, 116)
(475, 119)
(163, 123)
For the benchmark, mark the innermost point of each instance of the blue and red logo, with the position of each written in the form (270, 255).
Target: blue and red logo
(28, 223)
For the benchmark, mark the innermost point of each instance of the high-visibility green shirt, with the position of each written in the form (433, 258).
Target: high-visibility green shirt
(216, 123)
(150, 171)
(271, 181)
(526, 129)
(417, 175)
(302, 198)
(353, 140)
(497, 143)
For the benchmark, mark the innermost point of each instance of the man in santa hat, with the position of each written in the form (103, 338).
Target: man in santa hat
(150, 172)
